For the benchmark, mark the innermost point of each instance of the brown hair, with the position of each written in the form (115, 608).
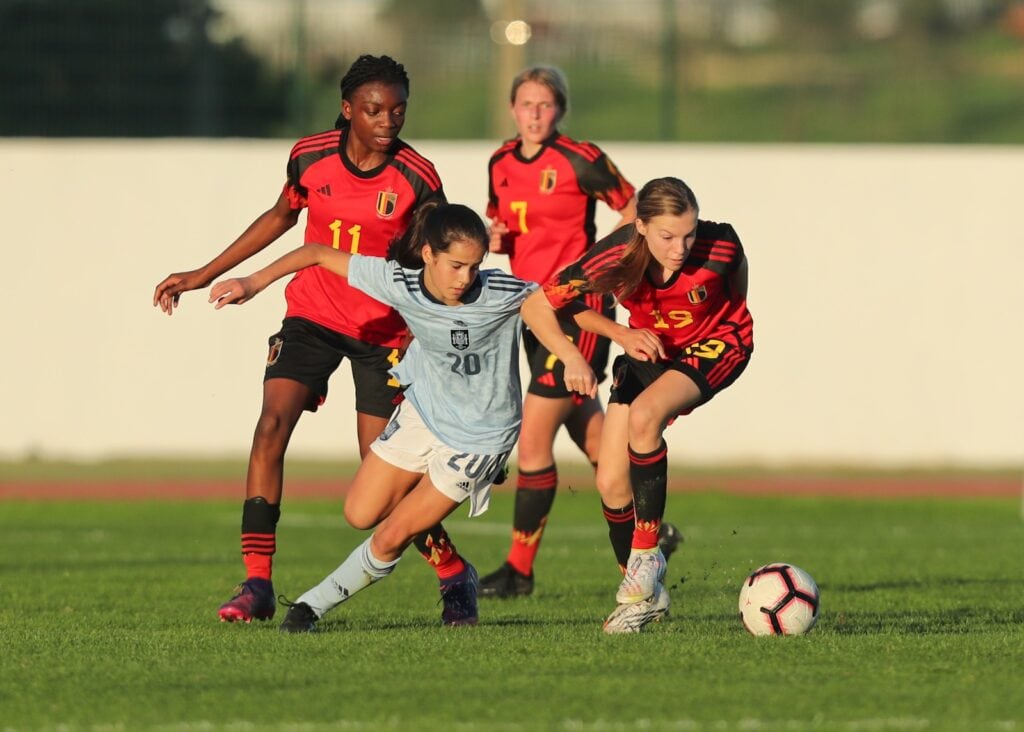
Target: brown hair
(439, 225)
(548, 76)
(658, 197)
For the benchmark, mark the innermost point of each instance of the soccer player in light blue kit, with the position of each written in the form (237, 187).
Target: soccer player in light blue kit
(449, 439)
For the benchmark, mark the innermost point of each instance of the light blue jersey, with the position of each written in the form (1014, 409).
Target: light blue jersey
(461, 371)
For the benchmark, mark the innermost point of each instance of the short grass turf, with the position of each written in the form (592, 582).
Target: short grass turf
(108, 621)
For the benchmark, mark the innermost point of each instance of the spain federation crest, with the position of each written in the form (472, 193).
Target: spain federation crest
(460, 339)
(387, 202)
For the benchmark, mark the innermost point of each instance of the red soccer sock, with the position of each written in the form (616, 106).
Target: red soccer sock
(525, 546)
(535, 494)
(645, 534)
(258, 565)
(435, 547)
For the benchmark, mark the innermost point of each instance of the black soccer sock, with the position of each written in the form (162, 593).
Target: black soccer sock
(620, 530)
(648, 474)
(535, 494)
(259, 536)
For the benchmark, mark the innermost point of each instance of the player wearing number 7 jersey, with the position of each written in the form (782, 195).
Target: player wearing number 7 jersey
(359, 185)
(448, 440)
(684, 283)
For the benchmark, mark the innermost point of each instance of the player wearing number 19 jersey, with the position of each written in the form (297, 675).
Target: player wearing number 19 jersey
(683, 281)
(705, 328)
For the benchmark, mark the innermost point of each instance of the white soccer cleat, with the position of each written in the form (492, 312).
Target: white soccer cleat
(634, 617)
(644, 570)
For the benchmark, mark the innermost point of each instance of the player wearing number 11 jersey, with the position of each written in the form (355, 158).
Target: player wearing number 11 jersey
(359, 185)
(359, 212)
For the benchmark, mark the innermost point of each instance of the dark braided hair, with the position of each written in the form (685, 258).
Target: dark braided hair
(440, 225)
(368, 69)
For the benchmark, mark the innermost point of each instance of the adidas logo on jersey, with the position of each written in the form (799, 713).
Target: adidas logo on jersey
(547, 379)
(324, 190)
(504, 183)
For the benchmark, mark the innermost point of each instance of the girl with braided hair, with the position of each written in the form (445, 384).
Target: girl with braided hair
(360, 185)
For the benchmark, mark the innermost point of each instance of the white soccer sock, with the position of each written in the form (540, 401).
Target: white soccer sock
(359, 570)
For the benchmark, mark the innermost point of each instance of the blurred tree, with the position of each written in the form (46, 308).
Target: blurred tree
(415, 14)
(128, 68)
(446, 48)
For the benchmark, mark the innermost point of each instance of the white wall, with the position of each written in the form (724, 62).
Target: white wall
(884, 287)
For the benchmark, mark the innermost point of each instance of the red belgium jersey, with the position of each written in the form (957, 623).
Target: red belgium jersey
(355, 211)
(695, 306)
(548, 202)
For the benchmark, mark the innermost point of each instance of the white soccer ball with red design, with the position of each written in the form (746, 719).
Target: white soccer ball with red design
(779, 599)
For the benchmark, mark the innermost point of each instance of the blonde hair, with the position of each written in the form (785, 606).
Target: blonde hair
(548, 76)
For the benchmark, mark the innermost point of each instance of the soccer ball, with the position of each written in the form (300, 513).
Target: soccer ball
(779, 599)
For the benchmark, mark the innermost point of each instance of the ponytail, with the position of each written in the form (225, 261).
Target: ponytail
(439, 225)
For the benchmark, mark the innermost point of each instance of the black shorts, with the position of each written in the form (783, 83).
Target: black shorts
(712, 364)
(309, 353)
(547, 372)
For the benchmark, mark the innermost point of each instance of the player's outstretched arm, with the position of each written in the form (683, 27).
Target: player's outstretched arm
(238, 290)
(540, 317)
(267, 228)
(641, 344)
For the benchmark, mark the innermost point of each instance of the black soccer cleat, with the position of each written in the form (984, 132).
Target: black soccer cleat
(669, 538)
(300, 618)
(506, 582)
(458, 594)
(254, 599)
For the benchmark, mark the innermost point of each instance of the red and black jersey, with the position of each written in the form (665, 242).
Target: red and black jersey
(358, 211)
(548, 201)
(696, 304)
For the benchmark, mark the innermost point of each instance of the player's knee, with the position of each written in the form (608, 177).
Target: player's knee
(271, 436)
(613, 487)
(359, 518)
(591, 447)
(645, 424)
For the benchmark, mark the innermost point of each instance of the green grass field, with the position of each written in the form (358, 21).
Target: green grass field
(108, 622)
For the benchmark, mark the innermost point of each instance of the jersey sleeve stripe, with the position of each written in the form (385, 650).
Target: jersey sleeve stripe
(317, 142)
(504, 278)
(583, 149)
(604, 259)
(421, 165)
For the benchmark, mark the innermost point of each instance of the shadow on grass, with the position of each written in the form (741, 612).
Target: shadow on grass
(952, 621)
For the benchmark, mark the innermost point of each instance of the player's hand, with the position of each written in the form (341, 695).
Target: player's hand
(579, 377)
(642, 344)
(168, 292)
(498, 232)
(234, 291)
